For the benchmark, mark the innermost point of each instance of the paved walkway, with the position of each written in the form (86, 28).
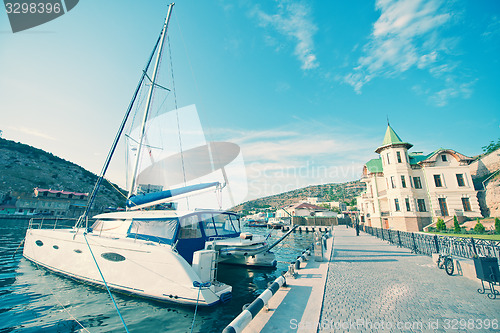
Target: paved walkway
(374, 286)
(298, 302)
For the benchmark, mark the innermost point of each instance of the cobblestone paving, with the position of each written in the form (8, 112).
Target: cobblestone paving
(375, 286)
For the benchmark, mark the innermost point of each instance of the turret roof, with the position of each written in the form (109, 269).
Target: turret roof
(391, 138)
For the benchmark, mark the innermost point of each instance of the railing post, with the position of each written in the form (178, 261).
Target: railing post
(414, 244)
(436, 243)
(399, 239)
(390, 238)
(473, 246)
(382, 232)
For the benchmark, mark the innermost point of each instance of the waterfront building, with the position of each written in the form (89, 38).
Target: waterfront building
(409, 190)
(304, 209)
(52, 202)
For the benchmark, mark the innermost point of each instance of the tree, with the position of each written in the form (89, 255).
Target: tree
(479, 227)
(497, 225)
(456, 226)
(491, 147)
(440, 225)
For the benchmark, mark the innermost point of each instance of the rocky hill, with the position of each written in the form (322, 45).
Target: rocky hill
(25, 167)
(345, 192)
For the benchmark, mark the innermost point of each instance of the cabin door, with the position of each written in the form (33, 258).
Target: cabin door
(189, 237)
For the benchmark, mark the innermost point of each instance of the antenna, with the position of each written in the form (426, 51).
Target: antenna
(388, 120)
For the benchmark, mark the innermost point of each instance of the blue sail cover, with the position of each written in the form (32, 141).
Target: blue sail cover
(137, 200)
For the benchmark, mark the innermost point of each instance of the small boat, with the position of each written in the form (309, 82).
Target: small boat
(154, 249)
(256, 223)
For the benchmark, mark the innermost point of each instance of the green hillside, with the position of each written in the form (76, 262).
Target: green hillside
(24, 167)
(345, 192)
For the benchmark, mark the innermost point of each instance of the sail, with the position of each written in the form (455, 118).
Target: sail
(176, 154)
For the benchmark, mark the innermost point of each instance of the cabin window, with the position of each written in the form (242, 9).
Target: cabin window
(39, 243)
(111, 256)
(236, 222)
(162, 230)
(190, 227)
(223, 224)
(208, 225)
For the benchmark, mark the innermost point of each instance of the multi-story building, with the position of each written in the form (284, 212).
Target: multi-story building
(408, 191)
(52, 202)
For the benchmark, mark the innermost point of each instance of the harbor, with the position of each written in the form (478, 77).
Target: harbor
(370, 285)
(36, 299)
(254, 190)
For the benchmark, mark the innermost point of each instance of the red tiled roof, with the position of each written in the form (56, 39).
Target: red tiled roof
(37, 189)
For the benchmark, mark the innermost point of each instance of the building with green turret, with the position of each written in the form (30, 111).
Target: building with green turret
(410, 190)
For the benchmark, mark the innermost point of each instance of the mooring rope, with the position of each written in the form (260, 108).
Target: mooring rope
(199, 285)
(105, 283)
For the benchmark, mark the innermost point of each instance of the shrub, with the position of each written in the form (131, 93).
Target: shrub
(497, 225)
(479, 227)
(440, 225)
(456, 226)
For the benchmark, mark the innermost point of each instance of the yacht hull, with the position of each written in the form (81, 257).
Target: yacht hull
(132, 266)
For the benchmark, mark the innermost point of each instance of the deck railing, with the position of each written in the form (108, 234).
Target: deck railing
(51, 222)
(417, 242)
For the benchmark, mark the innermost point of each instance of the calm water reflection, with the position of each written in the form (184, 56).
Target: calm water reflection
(35, 300)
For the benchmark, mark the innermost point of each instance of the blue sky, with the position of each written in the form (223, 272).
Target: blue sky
(304, 87)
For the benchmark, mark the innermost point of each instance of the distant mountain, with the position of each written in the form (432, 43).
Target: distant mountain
(345, 192)
(24, 167)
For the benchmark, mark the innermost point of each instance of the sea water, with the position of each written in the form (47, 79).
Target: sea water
(33, 299)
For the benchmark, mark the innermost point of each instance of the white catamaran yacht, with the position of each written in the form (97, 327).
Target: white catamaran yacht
(152, 250)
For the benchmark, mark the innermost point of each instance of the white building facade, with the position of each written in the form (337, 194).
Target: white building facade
(408, 191)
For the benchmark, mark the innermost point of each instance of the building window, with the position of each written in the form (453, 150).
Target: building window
(393, 184)
(398, 154)
(421, 205)
(460, 179)
(58, 195)
(396, 203)
(416, 182)
(466, 204)
(437, 181)
(403, 181)
(407, 202)
(443, 158)
(443, 206)
(388, 160)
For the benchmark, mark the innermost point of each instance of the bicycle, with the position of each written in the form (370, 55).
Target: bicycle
(446, 261)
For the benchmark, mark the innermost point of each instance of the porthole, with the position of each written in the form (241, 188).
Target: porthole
(111, 256)
(39, 243)
(78, 251)
(55, 247)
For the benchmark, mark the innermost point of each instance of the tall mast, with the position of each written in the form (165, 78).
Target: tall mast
(148, 100)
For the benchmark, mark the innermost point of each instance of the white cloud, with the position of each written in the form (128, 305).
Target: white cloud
(293, 21)
(442, 97)
(405, 36)
(284, 158)
(32, 132)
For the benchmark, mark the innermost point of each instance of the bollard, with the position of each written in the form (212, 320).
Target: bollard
(240, 322)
